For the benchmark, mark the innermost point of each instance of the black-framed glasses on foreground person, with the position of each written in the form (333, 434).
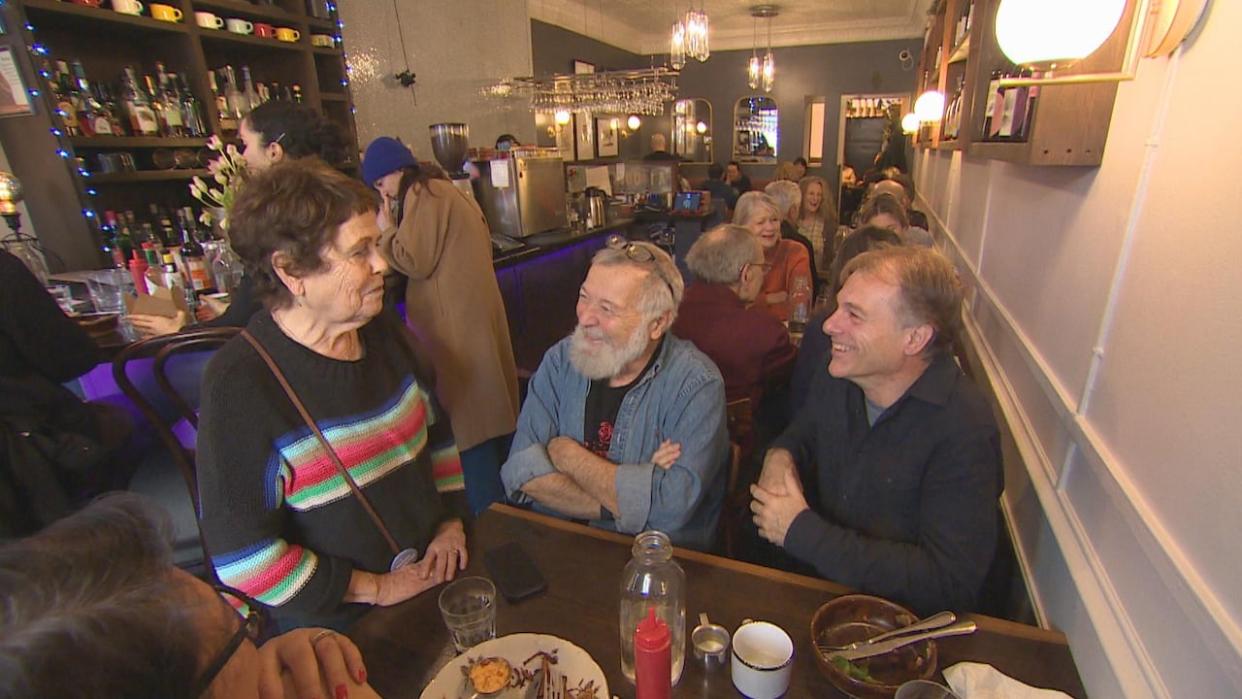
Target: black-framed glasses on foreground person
(640, 254)
(763, 267)
(251, 627)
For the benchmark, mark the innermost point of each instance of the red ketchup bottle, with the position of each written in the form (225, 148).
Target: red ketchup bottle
(653, 659)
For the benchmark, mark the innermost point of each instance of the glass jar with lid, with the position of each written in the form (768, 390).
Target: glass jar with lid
(653, 580)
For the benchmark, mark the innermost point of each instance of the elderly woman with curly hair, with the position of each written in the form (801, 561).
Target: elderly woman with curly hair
(321, 509)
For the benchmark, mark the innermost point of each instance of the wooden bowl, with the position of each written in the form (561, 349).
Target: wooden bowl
(851, 618)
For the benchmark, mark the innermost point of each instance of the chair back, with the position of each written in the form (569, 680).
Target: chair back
(161, 349)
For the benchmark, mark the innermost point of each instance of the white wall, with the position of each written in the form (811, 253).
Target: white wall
(1106, 305)
(454, 47)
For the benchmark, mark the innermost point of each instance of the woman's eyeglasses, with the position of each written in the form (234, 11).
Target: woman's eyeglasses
(251, 627)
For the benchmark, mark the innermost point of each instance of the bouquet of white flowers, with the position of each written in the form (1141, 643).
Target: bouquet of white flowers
(228, 172)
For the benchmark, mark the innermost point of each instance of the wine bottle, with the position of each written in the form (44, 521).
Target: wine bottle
(174, 124)
(142, 119)
(252, 97)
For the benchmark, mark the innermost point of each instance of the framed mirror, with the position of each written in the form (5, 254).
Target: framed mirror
(755, 129)
(692, 130)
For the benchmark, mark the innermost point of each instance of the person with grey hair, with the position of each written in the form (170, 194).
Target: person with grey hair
(93, 607)
(788, 198)
(761, 215)
(750, 347)
(624, 423)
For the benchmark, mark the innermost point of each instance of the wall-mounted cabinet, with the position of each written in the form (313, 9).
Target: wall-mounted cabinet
(1032, 125)
(69, 171)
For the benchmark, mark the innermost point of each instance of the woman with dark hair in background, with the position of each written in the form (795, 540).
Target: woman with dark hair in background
(271, 133)
(437, 237)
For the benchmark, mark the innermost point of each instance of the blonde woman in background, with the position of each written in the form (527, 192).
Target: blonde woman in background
(817, 220)
(786, 171)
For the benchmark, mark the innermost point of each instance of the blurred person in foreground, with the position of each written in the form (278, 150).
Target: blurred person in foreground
(904, 448)
(788, 260)
(271, 133)
(624, 423)
(437, 237)
(94, 608)
(282, 523)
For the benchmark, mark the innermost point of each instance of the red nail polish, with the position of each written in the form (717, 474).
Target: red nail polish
(342, 692)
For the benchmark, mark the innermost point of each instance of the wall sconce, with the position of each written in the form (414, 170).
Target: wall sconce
(1044, 31)
(701, 127)
(910, 123)
(634, 123)
(563, 117)
(929, 106)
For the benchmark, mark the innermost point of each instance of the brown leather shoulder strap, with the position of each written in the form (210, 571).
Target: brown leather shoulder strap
(323, 441)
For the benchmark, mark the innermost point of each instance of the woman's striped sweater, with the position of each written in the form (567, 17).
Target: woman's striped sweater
(281, 523)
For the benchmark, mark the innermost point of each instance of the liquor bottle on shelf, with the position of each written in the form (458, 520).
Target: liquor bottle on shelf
(174, 124)
(215, 79)
(252, 97)
(111, 111)
(157, 105)
(92, 118)
(67, 101)
(142, 119)
(199, 276)
(238, 106)
(191, 113)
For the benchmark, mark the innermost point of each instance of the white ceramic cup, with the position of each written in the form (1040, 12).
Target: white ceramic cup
(239, 26)
(208, 20)
(129, 7)
(762, 660)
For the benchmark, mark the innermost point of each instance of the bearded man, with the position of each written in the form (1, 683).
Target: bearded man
(624, 424)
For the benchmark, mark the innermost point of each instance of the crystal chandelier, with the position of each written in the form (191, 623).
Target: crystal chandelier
(696, 33)
(677, 46)
(640, 91)
(761, 72)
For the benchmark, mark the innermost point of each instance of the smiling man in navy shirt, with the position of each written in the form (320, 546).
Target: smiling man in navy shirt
(903, 447)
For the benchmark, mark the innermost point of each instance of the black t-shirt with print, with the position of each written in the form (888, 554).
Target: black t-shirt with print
(603, 402)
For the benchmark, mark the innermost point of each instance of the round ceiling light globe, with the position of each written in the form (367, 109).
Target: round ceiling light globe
(1040, 31)
(910, 123)
(929, 106)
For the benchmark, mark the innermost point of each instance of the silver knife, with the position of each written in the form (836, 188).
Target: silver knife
(869, 649)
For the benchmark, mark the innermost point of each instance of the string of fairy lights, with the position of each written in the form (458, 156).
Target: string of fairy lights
(63, 148)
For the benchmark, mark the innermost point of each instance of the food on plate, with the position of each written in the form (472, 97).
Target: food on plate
(490, 675)
(857, 671)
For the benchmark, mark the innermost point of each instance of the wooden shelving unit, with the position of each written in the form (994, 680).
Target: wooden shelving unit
(64, 202)
(1068, 123)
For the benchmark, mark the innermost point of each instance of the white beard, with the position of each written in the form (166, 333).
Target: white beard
(605, 361)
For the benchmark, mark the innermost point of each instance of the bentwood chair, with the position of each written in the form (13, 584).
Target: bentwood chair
(151, 357)
(740, 422)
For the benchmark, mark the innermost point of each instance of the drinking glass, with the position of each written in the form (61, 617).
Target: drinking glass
(107, 289)
(468, 606)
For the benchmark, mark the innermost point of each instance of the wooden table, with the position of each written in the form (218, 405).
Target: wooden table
(404, 646)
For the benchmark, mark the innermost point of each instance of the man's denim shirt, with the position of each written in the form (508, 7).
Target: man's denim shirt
(681, 398)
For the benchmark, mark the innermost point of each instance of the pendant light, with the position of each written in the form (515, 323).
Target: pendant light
(696, 29)
(761, 73)
(677, 46)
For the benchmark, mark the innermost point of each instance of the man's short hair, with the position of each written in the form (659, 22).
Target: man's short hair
(92, 596)
(658, 142)
(719, 255)
(786, 194)
(715, 171)
(930, 290)
(749, 202)
(662, 287)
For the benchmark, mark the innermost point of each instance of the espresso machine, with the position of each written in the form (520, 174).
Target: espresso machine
(449, 143)
(522, 191)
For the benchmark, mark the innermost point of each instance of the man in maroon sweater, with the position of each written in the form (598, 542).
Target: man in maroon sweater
(749, 346)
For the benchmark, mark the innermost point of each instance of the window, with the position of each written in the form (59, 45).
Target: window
(813, 139)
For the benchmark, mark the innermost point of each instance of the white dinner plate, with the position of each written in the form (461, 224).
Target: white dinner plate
(577, 665)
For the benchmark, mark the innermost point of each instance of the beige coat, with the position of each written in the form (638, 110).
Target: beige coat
(454, 307)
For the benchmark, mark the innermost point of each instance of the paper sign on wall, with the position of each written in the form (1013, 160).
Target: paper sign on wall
(500, 174)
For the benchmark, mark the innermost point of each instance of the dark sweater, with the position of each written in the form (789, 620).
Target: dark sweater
(36, 337)
(280, 522)
(906, 507)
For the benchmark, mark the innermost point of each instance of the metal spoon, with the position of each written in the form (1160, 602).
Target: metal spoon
(934, 621)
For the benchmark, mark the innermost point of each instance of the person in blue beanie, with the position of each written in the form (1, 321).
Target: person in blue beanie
(437, 236)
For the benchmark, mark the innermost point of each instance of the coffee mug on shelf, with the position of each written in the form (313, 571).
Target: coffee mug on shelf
(264, 30)
(762, 660)
(208, 20)
(166, 13)
(239, 26)
(88, 3)
(129, 7)
(287, 34)
(324, 41)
